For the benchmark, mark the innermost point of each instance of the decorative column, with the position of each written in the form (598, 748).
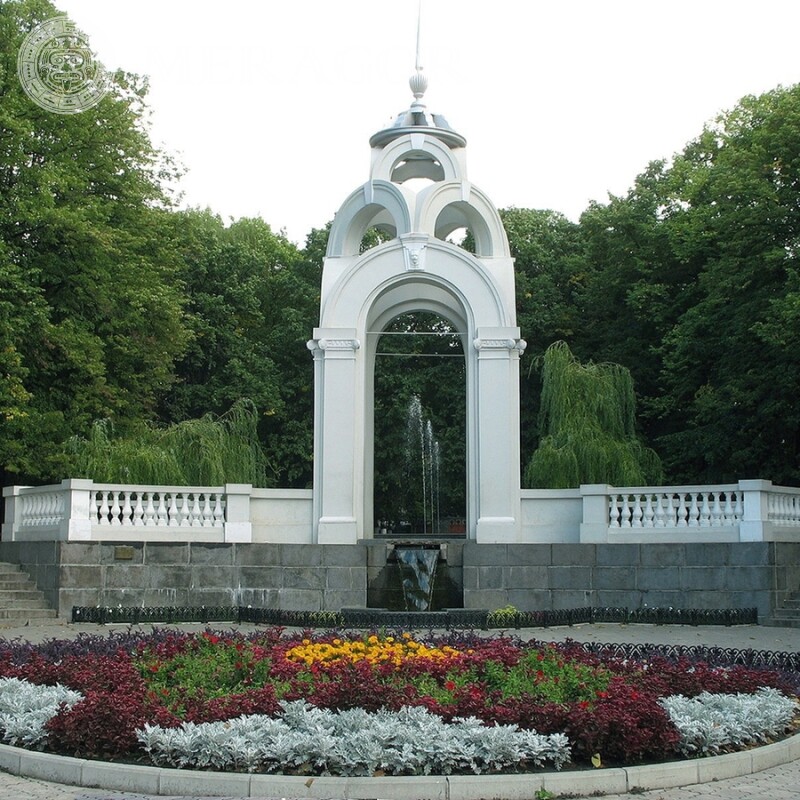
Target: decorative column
(755, 525)
(498, 456)
(594, 525)
(338, 417)
(238, 521)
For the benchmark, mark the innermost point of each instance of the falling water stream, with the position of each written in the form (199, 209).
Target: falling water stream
(418, 574)
(423, 457)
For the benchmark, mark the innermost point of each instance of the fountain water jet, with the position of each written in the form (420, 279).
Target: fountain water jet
(423, 459)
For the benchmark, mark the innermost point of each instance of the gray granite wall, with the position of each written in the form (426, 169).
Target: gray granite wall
(291, 576)
(558, 576)
(329, 577)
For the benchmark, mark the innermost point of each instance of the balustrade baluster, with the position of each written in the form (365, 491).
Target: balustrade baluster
(728, 511)
(694, 511)
(636, 515)
(149, 510)
(219, 511)
(115, 509)
(661, 513)
(626, 513)
(127, 511)
(161, 512)
(102, 509)
(738, 509)
(138, 511)
(682, 512)
(184, 510)
(208, 516)
(173, 510)
(649, 512)
(25, 510)
(613, 511)
(775, 512)
(705, 511)
(197, 511)
(716, 512)
(784, 505)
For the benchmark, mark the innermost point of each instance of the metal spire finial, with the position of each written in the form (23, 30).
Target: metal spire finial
(418, 82)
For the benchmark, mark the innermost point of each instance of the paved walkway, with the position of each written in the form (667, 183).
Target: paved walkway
(778, 783)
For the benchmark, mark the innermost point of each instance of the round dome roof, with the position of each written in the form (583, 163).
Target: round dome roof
(417, 119)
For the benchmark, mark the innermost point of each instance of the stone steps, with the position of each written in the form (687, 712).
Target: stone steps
(20, 600)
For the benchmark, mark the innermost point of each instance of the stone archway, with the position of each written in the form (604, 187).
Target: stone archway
(416, 271)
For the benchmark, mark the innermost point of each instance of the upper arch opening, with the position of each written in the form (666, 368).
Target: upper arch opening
(417, 164)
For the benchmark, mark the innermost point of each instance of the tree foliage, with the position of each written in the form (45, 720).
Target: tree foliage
(93, 308)
(251, 303)
(588, 421)
(114, 306)
(209, 451)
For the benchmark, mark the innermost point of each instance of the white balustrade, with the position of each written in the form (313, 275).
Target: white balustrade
(784, 507)
(143, 507)
(42, 510)
(675, 507)
(80, 510)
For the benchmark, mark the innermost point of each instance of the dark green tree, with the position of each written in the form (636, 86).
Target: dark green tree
(87, 275)
(730, 380)
(251, 306)
(209, 451)
(588, 418)
(550, 273)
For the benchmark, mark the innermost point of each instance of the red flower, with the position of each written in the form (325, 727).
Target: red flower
(449, 685)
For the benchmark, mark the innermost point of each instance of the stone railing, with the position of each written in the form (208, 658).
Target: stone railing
(76, 510)
(171, 507)
(80, 510)
(750, 510)
(688, 507)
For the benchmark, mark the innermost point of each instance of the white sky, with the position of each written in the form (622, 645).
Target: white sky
(270, 105)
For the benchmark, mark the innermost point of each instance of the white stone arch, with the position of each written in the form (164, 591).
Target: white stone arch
(389, 302)
(439, 263)
(377, 287)
(375, 204)
(441, 208)
(410, 145)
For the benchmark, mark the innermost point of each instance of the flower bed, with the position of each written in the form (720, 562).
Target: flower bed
(352, 704)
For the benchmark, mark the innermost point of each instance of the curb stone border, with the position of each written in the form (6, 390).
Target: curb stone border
(618, 780)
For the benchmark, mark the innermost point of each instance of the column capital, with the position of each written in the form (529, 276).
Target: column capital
(342, 342)
(504, 343)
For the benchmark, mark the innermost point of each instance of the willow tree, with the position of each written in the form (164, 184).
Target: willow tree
(587, 417)
(209, 451)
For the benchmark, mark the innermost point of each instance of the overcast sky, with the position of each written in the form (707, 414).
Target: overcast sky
(270, 105)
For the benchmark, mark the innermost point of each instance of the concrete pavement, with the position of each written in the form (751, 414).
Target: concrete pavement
(777, 783)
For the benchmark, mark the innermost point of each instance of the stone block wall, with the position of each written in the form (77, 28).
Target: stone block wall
(289, 576)
(329, 577)
(559, 576)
